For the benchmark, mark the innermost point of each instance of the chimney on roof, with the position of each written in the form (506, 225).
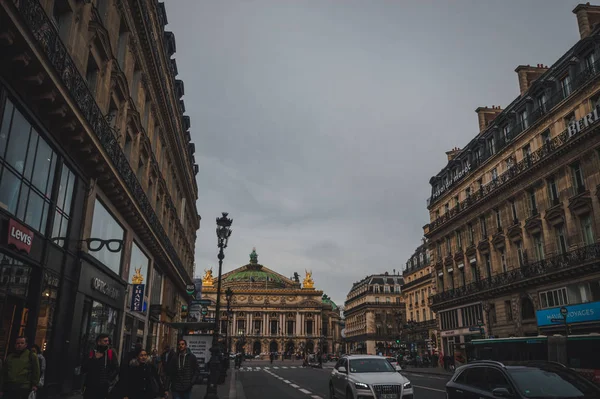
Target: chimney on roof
(588, 18)
(528, 74)
(487, 114)
(452, 153)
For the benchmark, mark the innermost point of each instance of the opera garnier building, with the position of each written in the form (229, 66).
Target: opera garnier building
(273, 313)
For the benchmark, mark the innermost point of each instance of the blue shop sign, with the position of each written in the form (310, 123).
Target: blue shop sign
(577, 314)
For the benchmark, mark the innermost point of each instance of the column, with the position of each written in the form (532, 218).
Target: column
(298, 323)
(265, 328)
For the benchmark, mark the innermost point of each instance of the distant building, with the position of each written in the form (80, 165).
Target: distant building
(273, 313)
(374, 314)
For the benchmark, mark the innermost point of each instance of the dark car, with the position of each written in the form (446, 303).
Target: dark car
(529, 380)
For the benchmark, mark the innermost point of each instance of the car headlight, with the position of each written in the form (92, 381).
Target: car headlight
(407, 385)
(361, 385)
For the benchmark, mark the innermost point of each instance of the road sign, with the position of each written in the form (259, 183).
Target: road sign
(557, 320)
(190, 289)
(564, 311)
(204, 311)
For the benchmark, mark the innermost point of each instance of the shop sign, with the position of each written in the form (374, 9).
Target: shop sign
(104, 288)
(19, 236)
(137, 298)
(462, 173)
(586, 121)
(460, 331)
(575, 314)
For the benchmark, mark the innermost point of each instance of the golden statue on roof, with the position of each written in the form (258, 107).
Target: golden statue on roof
(137, 277)
(208, 280)
(308, 282)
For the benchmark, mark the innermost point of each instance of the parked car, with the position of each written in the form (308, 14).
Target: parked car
(368, 376)
(519, 380)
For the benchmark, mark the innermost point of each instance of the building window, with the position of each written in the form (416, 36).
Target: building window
(565, 86)
(587, 230)
(376, 299)
(503, 261)
(439, 251)
(376, 288)
(468, 192)
(483, 225)
(386, 288)
(387, 300)
(545, 137)
(508, 310)
(441, 283)
(48, 303)
(506, 133)
(526, 152)
(554, 298)
(105, 227)
(397, 300)
(494, 174)
(561, 240)
(541, 102)
(471, 232)
(520, 254)
(27, 166)
(448, 246)
(63, 203)
(513, 207)
(498, 219)
(92, 73)
(590, 63)
(491, 145)
(97, 318)
(462, 277)
(533, 209)
(578, 181)
(524, 119)
(553, 191)
(446, 208)
(156, 294)
(459, 241)
(538, 243)
(62, 17)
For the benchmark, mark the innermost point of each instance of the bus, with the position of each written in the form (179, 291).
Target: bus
(579, 352)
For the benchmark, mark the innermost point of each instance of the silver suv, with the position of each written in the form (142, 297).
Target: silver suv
(368, 376)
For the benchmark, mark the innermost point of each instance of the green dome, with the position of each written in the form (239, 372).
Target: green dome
(328, 301)
(250, 276)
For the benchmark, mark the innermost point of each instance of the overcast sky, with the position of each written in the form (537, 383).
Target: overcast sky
(319, 123)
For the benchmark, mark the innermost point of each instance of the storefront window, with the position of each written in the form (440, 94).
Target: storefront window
(47, 306)
(139, 261)
(105, 227)
(27, 166)
(98, 319)
(14, 287)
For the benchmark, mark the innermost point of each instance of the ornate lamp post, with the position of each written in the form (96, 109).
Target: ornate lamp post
(223, 234)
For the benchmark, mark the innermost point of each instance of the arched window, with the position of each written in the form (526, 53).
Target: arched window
(527, 309)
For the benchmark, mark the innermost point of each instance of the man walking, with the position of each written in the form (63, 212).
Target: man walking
(182, 372)
(101, 369)
(20, 373)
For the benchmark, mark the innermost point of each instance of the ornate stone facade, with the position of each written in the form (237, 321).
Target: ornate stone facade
(270, 312)
(374, 312)
(515, 215)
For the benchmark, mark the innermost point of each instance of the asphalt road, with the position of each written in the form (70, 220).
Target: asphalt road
(288, 380)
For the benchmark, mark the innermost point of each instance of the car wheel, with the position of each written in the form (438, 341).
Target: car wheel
(349, 394)
(331, 391)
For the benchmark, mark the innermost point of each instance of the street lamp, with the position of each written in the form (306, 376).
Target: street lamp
(486, 309)
(223, 234)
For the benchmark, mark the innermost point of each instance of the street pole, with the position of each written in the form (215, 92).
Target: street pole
(223, 234)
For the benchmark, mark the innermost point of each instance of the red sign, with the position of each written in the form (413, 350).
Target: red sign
(19, 236)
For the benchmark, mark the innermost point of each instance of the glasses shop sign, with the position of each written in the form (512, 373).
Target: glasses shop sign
(137, 298)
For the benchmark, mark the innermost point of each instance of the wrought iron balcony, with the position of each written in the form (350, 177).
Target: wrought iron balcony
(48, 40)
(580, 79)
(416, 282)
(525, 275)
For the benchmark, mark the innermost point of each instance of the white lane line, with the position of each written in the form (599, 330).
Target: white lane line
(431, 389)
(287, 382)
(417, 375)
(266, 368)
(276, 368)
(316, 397)
(304, 391)
(295, 386)
(284, 367)
(293, 367)
(258, 369)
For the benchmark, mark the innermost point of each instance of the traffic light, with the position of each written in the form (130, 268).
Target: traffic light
(184, 311)
(397, 339)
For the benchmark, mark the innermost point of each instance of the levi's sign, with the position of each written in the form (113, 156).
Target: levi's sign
(461, 173)
(586, 121)
(19, 236)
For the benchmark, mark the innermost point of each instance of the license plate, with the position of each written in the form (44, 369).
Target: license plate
(389, 396)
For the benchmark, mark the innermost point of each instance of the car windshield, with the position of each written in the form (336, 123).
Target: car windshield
(391, 359)
(540, 383)
(371, 366)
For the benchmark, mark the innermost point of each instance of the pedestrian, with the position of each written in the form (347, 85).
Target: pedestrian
(271, 356)
(101, 369)
(42, 361)
(167, 355)
(142, 380)
(183, 371)
(20, 372)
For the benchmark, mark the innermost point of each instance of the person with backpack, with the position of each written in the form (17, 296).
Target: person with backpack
(101, 369)
(142, 380)
(20, 372)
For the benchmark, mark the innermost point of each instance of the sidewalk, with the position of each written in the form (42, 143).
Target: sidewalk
(428, 370)
(225, 391)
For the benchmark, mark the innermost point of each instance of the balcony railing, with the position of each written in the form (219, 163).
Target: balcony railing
(542, 153)
(47, 38)
(416, 282)
(527, 271)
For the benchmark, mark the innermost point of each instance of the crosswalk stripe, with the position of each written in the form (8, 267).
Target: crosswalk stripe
(293, 367)
(276, 368)
(294, 386)
(306, 391)
(284, 367)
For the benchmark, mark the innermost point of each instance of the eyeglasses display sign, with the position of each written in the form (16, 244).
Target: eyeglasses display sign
(137, 298)
(19, 236)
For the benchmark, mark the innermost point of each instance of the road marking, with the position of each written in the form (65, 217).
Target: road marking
(276, 368)
(287, 382)
(258, 369)
(266, 368)
(418, 375)
(431, 389)
(293, 367)
(316, 397)
(295, 386)
(284, 367)
(304, 391)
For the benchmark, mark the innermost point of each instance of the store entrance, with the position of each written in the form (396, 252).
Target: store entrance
(14, 286)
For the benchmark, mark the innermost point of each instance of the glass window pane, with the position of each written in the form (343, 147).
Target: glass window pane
(69, 192)
(22, 205)
(56, 227)
(43, 168)
(35, 208)
(9, 191)
(17, 144)
(104, 226)
(62, 188)
(4, 128)
(31, 149)
(48, 303)
(64, 225)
